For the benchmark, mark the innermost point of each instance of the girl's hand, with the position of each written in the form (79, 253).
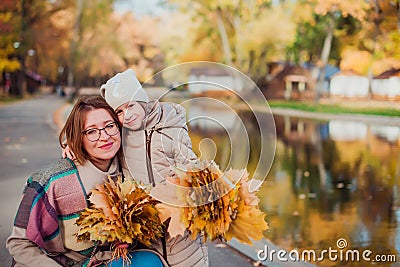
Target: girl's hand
(67, 153)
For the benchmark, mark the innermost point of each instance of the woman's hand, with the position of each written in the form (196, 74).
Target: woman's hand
(67, 153)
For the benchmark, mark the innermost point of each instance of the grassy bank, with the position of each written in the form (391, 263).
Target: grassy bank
(4, 100)
(336, 108)
(9, 99)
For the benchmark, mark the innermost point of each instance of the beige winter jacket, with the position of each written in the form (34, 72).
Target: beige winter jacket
(154, 153)
(163, 144)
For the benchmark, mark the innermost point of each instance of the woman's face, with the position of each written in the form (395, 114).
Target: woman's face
(107, 146)
(131, 115)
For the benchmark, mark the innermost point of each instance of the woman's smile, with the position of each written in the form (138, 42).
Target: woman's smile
(106, 146)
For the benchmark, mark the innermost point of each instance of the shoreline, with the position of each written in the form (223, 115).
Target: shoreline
(375, 119)
(59, 116)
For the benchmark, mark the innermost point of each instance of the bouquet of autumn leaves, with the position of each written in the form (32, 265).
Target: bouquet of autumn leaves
(120, 213)
(217, 206)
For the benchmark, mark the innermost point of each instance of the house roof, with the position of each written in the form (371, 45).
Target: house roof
(330, 70)
(346, 73)
(389, 73)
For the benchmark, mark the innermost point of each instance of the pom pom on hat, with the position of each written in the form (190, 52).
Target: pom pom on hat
(122, 88)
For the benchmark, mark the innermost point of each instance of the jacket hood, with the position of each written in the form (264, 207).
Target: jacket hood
(164, 115)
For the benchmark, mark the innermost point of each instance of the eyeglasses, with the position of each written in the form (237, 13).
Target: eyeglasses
(94, 134)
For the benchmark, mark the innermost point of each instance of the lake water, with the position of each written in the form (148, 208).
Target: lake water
(329, 181)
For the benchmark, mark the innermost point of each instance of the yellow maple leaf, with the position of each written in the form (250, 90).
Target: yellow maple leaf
(176, 226)
(100, 201)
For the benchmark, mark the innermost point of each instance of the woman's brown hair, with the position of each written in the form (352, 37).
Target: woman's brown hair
(71, 134)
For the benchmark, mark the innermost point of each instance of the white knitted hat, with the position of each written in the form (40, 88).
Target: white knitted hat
(122, 88)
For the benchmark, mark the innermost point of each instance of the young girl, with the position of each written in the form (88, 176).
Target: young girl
(155, 135)
(156, 143)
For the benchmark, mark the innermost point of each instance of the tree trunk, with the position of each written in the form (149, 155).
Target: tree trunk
(326, 50)
(398, 15)
(237, 24)
(71, 68)
(224, 38)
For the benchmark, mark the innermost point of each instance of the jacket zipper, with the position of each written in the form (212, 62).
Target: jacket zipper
(148, 157)
(151, 180)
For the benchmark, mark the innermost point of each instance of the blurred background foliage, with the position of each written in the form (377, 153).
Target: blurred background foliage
(82, 43)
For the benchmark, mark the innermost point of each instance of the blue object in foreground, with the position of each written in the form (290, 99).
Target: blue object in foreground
(139, 259)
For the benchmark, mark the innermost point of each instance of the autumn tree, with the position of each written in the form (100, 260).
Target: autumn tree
(104, 42)
(310, 36)
(93, 32)
(51, 45)
(26, 18)
(139, 39)
(263, 40)
(371, 43)
(184, 37)
(386, 48)
(243, 34)
(332, 10)
(75, 41)
(379, 40)
(9, 29)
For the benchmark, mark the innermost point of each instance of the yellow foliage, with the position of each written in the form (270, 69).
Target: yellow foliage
(259, 33)
(359, 61)
(355, 8)
(362, 61)
(385, 64)
(233, 211)
(120, 212)
(63, 18)
(5, 17)
(9, 65)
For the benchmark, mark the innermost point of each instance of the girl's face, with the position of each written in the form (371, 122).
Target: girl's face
(131, 115)
(100, 125)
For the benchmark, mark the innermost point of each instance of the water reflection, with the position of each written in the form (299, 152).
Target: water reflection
(329, 180)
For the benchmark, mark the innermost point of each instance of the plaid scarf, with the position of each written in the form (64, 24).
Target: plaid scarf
(52, 194)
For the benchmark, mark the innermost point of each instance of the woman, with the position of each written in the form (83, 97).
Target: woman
(44, 227)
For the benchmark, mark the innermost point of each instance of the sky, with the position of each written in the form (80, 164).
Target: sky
(139, 7)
